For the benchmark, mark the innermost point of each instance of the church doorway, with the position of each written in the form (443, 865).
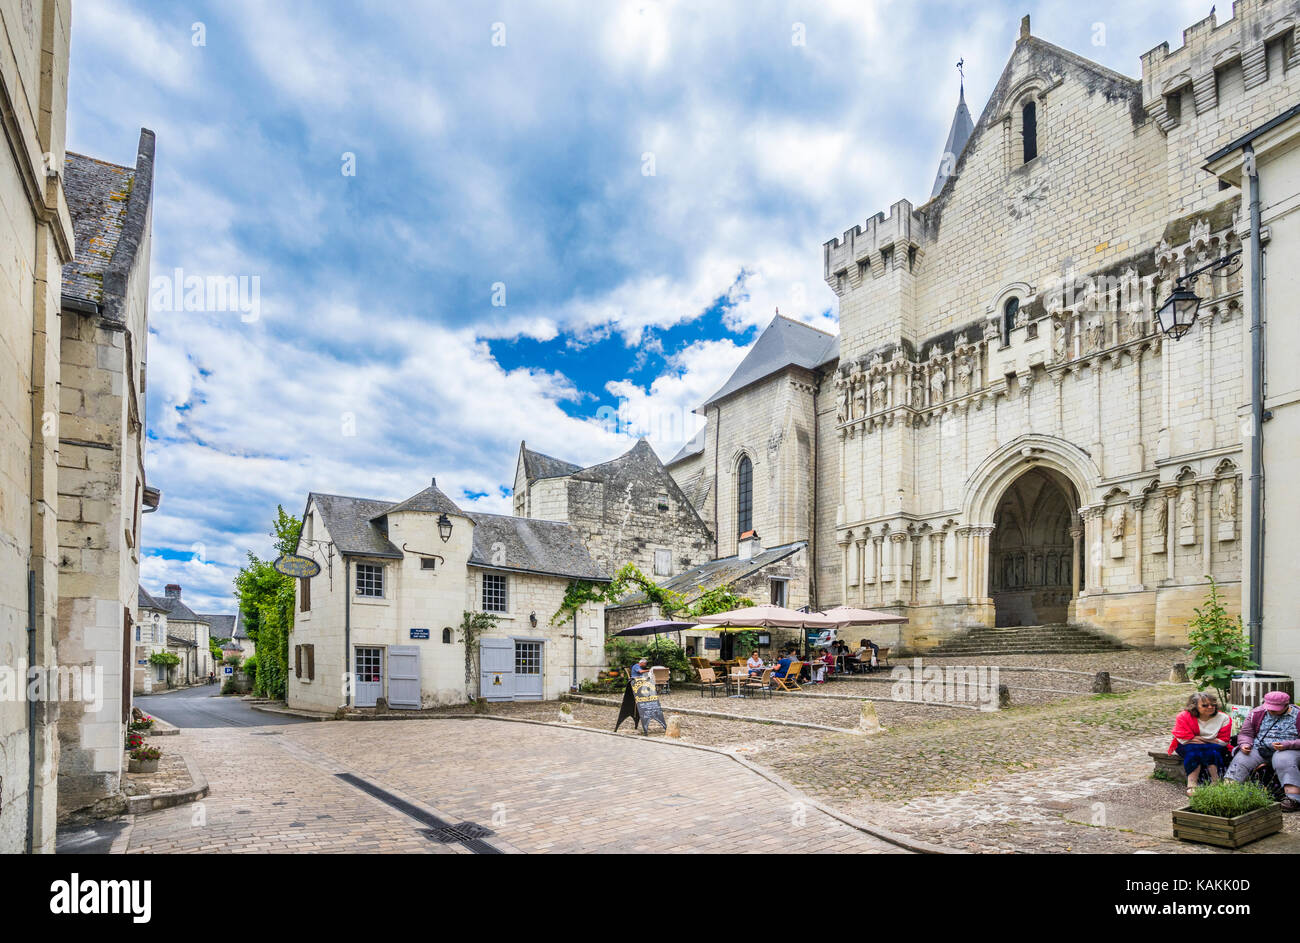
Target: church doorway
(1030, 551)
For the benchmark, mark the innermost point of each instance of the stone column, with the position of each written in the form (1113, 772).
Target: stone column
(1076, 535)
(862, 568)
(1171, 530)
(1138, 504)
(844, 540)
(1092, 523)
(899, 551)
(1207, 541)
(878, 555)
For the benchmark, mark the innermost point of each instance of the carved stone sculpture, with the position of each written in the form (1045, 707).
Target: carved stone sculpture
(878, 389)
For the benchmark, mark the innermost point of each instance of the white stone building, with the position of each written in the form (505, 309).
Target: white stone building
(383, 617)
(1000, 435)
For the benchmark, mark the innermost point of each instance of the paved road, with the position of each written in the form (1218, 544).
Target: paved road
(393, 787)
(198, 707)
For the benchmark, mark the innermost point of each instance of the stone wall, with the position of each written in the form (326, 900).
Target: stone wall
(36, 239)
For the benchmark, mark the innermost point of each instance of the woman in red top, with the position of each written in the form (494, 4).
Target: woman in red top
(1201, 738)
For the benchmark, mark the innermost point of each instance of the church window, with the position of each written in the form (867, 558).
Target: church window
(1029, 130)
(744, 496)
(1010, 311)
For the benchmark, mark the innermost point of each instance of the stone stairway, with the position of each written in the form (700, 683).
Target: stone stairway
(1059, 639)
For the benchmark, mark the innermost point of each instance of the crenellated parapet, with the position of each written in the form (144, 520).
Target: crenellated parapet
(1208, 48)
(879, 245)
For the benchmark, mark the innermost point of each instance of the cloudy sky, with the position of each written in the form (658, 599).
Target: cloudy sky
(475, 224)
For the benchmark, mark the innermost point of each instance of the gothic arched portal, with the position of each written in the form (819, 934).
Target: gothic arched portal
(1031, 551)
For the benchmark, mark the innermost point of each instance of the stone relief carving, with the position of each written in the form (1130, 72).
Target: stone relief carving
(844, 400)
(1228, 509)
(1060, 351)
(1118, 518)
(937, 383)
(964, 370)
(1187, 515)
(878, 389)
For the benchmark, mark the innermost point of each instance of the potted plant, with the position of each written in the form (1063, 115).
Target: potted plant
(143, 725)
(1228, 814)
(144, 760)
(134, 741)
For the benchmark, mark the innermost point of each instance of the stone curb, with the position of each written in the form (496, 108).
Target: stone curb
(197, 789)
(162, 729)
(583, 699)
(893, 838)
(828, 697)
(265, 709)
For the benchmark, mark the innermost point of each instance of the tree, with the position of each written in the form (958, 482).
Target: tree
(1219, 645)
(266, 599)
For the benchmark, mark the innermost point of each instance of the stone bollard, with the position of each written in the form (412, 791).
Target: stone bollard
(566, 713)
(868, 719)
(1178, 674)
(1101, 683)
(381, 705)
(1004, 696)
(675, 728)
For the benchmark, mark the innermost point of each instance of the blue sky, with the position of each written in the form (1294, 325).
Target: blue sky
(502, 152)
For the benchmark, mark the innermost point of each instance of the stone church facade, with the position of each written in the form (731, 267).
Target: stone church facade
(1001, 435)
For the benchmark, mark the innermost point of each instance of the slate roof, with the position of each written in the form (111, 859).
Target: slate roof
(958, 135)
(219, 626)
(109, 205)
(174, 608)
(500, 541)
(694, 447)
(239, 625)
(715, 573)
(177, 640)
(537, 465)
(531, 546)
(348, 521)
(783, 343)
(430, 499)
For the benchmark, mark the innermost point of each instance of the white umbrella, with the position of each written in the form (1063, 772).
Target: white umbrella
(842, 616)
(767, 617)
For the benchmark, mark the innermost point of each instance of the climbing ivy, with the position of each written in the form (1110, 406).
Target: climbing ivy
(629, 578)
(472, 627)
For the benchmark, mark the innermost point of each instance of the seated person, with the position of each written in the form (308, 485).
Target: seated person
(1269, 735)
(817, 667)
(1201, 738)
(642, 667)
(867, 654)
(783, 665)
(754, 665)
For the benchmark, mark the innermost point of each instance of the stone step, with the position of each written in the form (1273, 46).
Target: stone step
(1055, 639)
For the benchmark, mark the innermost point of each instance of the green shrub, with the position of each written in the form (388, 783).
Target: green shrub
(229, 687)
(1229, 799)
(1219, 646)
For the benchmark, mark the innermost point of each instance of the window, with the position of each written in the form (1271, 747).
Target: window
(310, 652)
(137, 633)
(494, 593)
(1010, 312)
(446, 636)
(297, 661)
(304, 598)
(1029, 130)
(528, 658)
(370, 579)
(744, 496)
(158, 638)
(663, 563)
(778, 593)
(428, 563)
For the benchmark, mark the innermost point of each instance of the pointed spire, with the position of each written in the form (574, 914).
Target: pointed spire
(958, 135)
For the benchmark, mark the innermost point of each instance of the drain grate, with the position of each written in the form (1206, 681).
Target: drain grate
(468, 834)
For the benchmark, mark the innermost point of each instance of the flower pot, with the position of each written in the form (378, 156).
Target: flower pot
(1224, 832)
(142, 766)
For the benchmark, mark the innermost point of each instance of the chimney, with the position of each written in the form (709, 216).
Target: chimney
(1024, 27)
(749, 545)
(173, 591)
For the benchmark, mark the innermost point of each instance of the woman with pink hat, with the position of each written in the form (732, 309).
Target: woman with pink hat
(1269, 735)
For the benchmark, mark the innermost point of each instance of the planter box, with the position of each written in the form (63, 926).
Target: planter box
(1227, 833)
(144, 766)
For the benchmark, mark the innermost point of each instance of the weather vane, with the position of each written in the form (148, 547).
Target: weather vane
(961, 71)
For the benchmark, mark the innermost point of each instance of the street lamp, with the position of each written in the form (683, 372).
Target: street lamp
(1177, 315)
(444, 528)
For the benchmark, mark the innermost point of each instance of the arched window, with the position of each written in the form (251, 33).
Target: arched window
(446, 636)
(744, 495)
(1029, 130)
(1009, 312)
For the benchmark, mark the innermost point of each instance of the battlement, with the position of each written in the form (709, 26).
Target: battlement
(871, 246)
(1210, 47)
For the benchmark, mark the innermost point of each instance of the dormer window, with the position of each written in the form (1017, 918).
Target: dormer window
(1029, 131)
